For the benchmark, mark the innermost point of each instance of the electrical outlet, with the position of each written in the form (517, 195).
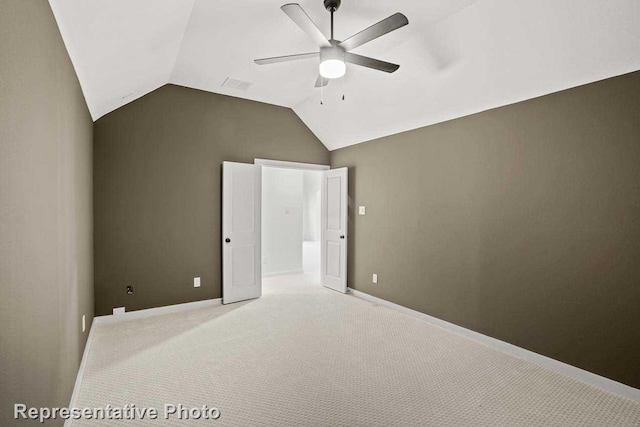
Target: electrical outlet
(118, 310)
(84, 322)
(375, 278)
(196, 282)
(362, 210)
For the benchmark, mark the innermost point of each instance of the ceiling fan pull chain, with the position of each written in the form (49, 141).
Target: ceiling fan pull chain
(322, 91)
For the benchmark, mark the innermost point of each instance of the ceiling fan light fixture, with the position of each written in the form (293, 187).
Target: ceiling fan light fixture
(332, 65)
(332, 68)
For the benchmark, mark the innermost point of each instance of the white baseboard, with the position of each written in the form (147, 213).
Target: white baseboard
(150, 312)
(114, 318)
(76, 387)
(283, 273)
(540, 360)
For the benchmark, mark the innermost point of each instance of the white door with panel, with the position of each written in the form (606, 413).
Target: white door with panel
(241, 222)
(334, 217)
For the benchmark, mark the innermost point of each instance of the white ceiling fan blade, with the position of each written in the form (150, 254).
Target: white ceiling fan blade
(321, 81)
(365, 61)
(286, 58)
(302, 20)
(383, 27)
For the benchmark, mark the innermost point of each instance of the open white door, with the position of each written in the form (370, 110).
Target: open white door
(241, 269)
(334, 229)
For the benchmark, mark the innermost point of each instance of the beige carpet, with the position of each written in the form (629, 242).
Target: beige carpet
(305, 356)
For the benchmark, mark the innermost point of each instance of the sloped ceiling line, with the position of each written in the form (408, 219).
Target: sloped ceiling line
(457, 57)
(175, 60)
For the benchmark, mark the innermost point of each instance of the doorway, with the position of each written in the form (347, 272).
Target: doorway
(291, 217)
(291, 222)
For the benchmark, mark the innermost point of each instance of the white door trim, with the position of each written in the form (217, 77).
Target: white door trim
(290, 165)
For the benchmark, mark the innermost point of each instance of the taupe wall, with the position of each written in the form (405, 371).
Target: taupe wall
(46, 237)
(522, 223)
(157, 170)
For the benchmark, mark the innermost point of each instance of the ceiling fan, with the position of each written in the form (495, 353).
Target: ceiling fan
(334, 54)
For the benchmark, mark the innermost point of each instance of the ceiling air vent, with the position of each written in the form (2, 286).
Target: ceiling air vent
(236, 84)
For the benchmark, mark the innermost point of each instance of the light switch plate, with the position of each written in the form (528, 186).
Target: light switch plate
(196, 282)
(118, 310)
(84, 322)
(375, 278)
(362, 210)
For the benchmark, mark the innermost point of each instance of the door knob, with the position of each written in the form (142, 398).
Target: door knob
(228, 240)
(342, 237)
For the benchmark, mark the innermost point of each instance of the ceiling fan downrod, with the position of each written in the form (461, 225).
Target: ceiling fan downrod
(331, 6)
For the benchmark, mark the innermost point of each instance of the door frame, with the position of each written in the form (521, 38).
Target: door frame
(289, 165)
(280, 164)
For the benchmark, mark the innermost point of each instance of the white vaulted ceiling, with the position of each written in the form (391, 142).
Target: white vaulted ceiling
(457, 57)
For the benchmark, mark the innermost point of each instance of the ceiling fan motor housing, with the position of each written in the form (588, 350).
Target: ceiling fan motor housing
(335, 51)
(331, 5)
(332, 63)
